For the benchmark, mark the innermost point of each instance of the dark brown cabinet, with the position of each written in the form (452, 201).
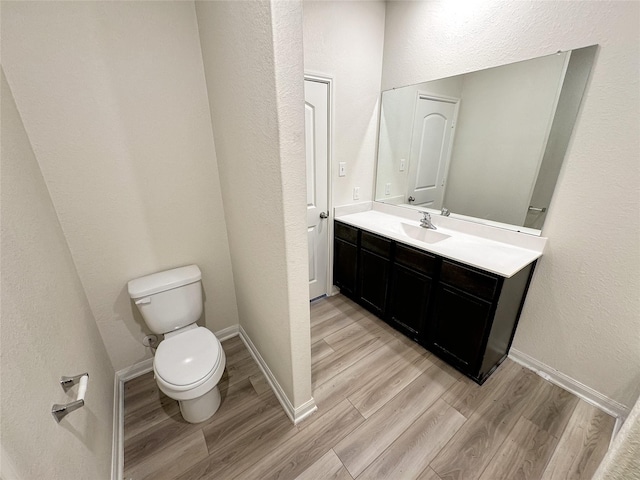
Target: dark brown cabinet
(345, 259)
(458, 325)
(410, 290)
(374, 279)
(463, 304)
(375, 263)
(463, 314)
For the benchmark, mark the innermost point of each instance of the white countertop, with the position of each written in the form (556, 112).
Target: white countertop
(505, 257)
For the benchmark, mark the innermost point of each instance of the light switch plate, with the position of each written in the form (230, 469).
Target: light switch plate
(342, 169)
(387, 189)
(403, 164)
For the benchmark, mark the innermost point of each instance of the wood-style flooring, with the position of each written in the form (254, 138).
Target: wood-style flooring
(387, 409)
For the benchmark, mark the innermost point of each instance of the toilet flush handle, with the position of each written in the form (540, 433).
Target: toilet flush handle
(143, 300)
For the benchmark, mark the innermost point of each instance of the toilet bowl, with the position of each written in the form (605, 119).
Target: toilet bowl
(190, 361)
(188, 366)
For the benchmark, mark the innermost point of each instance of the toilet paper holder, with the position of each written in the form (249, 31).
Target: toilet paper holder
(59, 411)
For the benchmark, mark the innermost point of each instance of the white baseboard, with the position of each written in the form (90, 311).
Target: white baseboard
(117, 444)
(227, 333)
(572, 385)
(122, 376)
(304, 410)
(140, 368)
(117, 456)
(295, 414)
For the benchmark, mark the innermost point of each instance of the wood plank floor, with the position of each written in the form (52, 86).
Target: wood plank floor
(387, 409)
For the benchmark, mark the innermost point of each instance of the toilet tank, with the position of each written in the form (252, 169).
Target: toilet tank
(169, 300)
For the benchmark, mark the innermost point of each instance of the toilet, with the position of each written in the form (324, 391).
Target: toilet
(189, 362)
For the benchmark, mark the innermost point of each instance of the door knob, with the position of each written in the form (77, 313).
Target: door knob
(411, 199)
(324, 214)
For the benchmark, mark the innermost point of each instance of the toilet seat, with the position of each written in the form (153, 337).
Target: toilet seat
(188, 360)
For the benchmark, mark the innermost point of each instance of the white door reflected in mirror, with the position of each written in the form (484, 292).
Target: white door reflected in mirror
(433, 128)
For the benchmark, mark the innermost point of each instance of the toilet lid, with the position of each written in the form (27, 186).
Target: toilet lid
(188, 357)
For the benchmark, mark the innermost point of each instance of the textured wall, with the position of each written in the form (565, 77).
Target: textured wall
(344, 40)
(114, 99)
(258, 124)
(47, 331)
(581, 314)
(286, 22)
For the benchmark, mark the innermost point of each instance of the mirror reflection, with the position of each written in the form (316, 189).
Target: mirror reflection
(486, 145)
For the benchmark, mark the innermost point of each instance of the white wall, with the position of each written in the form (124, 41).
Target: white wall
(47, 331)
(114, 99)
(344, 40)
(501, 129)
(396, 122)
(581, 314)
(252, 55)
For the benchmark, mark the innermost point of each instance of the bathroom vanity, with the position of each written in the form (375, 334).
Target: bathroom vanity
(455, 142)
(456, 294)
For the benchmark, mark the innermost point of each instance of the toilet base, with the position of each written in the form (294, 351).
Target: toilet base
(201, 408)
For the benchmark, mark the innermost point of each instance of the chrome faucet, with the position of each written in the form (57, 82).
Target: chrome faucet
(445, 212)
(426, 221)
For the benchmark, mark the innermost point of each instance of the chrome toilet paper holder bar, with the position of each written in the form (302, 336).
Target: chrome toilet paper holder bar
(59, 411)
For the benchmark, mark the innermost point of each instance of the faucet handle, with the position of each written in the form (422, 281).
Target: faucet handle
(426, 221)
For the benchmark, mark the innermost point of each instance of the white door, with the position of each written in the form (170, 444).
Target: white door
(316, 108)
(433, 127)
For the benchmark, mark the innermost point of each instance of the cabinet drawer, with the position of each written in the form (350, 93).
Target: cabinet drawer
(483, 285)
(346, 232)
(417, 260)
(376, 244)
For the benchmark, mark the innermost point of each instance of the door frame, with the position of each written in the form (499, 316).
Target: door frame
(421, 94)
(328, 80)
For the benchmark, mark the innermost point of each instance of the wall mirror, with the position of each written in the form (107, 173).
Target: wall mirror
(486, 145)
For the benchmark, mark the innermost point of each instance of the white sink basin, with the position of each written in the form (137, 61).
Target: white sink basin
(423, 234)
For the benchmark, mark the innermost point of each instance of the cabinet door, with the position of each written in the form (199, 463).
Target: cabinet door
(345, 267)
(374, 278)
(408, 300)
(458, 326)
